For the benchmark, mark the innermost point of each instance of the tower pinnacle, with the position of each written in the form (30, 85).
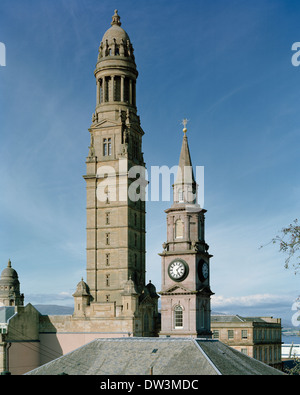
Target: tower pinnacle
(116, 19)
(184, 123)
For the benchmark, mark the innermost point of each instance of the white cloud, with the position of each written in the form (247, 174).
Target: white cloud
(255, 300)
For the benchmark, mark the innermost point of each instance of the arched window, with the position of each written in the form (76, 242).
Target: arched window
(179, 229)
(178, 317)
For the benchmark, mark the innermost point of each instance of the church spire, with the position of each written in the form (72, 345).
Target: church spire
(185, 183)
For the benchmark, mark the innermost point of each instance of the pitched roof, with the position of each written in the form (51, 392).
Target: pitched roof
(160, 356)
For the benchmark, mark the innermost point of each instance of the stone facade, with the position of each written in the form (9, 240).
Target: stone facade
(258, 337)
(115, 288)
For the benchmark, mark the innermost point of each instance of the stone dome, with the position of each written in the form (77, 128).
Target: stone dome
(115, 42)
(152, 289)
(115, 33)
(82, 289)
(9, 274)
(10, 288)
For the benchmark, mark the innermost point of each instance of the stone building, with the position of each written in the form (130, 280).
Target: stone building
(115, 300)
(258, 337)
(114, 309)
(185, 292)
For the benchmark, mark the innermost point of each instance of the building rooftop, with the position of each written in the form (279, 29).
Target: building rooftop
(6, 312)
(238, 318)
(157, 356)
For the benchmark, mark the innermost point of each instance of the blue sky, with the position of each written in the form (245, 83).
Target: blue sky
(226, 66)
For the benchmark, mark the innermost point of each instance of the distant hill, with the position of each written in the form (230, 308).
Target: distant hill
(51, 309)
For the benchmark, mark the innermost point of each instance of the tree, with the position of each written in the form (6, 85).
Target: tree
(289, 243)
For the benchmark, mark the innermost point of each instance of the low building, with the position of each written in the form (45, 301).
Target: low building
(257, 337)
(155, 356)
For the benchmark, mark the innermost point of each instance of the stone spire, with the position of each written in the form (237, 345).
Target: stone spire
(185, 184)
(185, 172)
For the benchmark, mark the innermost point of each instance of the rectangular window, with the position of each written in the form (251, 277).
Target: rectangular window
(107, 238)
(107, 259)
(266, 354)
(178, 312)
(244, 334)
(104, 147)
(109, 147)
(244, 351)
(230, 334)
(107, 218)
(216, 334)
(255, 353)
(106, 89)
(107, 280)
(117, 88)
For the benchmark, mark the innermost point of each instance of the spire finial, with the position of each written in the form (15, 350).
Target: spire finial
(9, 263)
(116, 19)
(184, 123)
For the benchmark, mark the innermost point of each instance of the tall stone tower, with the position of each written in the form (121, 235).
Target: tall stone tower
(185, 291)
(115, 285)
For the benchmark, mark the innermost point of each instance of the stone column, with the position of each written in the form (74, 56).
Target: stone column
(98, 92)
(112, 88)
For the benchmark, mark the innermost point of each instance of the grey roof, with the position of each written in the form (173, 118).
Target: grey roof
(164, 356)
(6, 312)
(236, 318)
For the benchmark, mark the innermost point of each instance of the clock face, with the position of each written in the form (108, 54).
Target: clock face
(177, 270)
(203, 270)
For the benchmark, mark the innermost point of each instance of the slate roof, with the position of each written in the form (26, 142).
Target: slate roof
(162, 356)
(6, 312)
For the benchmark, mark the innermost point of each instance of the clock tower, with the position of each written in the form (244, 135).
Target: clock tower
(185, 291)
